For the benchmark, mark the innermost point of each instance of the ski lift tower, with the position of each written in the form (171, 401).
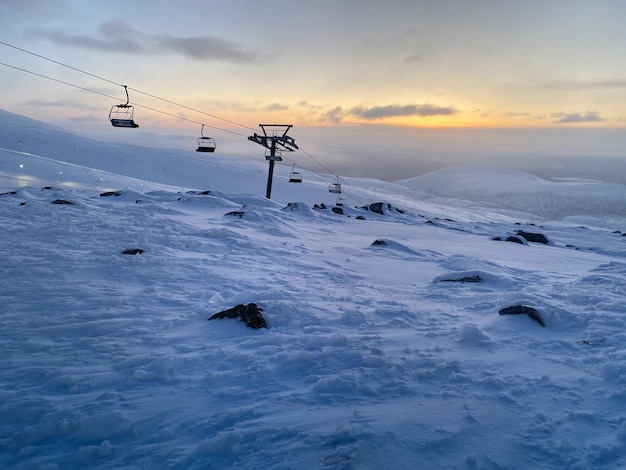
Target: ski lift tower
(274, 138)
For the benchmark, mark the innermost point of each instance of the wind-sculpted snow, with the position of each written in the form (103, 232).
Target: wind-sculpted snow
(375, 356)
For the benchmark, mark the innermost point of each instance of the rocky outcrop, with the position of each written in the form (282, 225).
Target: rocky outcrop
(250, 314)
(133, 251)
(533, 237)
(523, 310)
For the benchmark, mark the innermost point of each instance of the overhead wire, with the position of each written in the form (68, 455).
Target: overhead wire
(76, 69)
(115, 98)
(143, 106)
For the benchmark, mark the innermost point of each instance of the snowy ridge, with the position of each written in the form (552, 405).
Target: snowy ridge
(375, 355)
(514, 191)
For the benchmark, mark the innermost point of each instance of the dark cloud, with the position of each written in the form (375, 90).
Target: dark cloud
(567, 118)
(117, 36)
(380, 112)
(334, 115)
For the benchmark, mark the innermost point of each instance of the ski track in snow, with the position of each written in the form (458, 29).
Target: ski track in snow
(371, 359)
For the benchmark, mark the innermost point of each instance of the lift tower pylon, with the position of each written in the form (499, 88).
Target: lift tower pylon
(274, 139)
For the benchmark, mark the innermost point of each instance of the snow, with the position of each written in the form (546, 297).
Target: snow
(374, 358)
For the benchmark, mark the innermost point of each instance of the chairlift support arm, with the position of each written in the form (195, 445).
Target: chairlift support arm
(271, 142)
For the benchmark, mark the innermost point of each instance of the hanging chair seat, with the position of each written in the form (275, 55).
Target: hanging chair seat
(295, 177)
(121, 115)
(205, 144)
(334, 188)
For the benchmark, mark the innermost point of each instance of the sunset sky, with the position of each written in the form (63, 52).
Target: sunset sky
(472, 71)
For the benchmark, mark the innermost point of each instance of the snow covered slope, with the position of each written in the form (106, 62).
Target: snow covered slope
(374, 358)
(513, 191)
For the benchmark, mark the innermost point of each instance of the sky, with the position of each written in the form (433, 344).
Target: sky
(372, 88)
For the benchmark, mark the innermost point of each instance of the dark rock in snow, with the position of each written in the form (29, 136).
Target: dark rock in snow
(200, 193)
(378, 208)
(62, 201)
(296, 207)
(111, 193)
(523, 310)
(380, 242)
(533, 237)
(511, 238)
(337, 210)
(9, 192)
(250, 314)
(321, 206)
(236, 213)
(474, 278)
(133, 251)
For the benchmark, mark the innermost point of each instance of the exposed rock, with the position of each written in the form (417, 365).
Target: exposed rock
(250, 314)
(321, 206)
(473, 278)
(62, 201)
(111, 193)
(378, 208)
(533, 237)
(523, 310)
(511, 238)
(360, 217)
(133, 251)
(380, 242)
(337, 210)
(200, 193)
(296, 207)
(9, 192)
(236, 213)
(381, 208)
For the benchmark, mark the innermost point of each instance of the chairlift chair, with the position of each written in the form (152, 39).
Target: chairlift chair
(205, 144)
(340, 201)
(121, 115)
(335, 187)
(294, 176)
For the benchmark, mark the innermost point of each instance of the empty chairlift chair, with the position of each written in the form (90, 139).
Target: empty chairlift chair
(121, 115)
(205, 144)
(294, 176)
(335, 187)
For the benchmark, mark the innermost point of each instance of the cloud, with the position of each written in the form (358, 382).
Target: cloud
(381, 112)
(334, 115)
(412, 59)
(567, 118)
(117, 36)
(277, 107)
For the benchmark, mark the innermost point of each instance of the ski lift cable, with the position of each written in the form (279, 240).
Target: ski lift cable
(133, 146)
(339, 180)
(140, 92)
(119, 84)
(63, 82)
(317, 177)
